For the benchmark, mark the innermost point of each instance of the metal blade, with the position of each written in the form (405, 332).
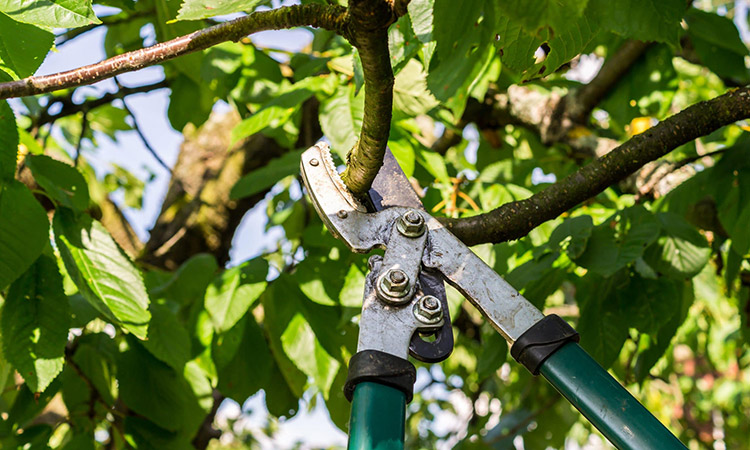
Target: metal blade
(390, 188)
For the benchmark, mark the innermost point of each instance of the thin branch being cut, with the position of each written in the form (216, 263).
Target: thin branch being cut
(315, 15)
(368, 31)
(516, 219)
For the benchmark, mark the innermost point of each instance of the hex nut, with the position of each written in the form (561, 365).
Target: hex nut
(428, 310)
(394, 284)
(411, 224)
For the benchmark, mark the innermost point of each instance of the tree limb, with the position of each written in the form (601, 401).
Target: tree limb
(514, 220)
(368, 31)
(328, 17)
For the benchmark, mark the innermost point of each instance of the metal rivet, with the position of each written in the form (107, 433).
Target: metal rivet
(313, 162)
(342, 214)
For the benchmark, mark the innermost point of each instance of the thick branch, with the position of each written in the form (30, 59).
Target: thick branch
(516, 219)
(368, 31)
(328, 17)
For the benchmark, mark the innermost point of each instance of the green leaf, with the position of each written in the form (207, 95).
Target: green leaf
(156, 391)
(166, 29)
(95, 357)
(572, 235)
(645, 90)
(601, 325)
(493, 355)
(189, 102)
(51, 13)
(410, 94)
(265, 177)
(142, 433)
(280, 109)
(649, 304)
(35, 322)
(303, 348)
(463, 39)
(657, 344)
(645, 20)
(615, 244)
(717, 42)
(341, 118)
(202, 9)
(281, 302)
(109, 119)
(682, 251)
(232, 293)
(402, 46)
(61, 181)
(8, 142)
(102, 272)
(536, 14)
(24, 231)
(565, 44)
(188, 284)
(243, 366)
(167, 339)
(421, 15)
(22, 47)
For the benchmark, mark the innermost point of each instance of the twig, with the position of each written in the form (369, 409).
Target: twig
(328, 17)
(84, 128)
(69, 108)
(514, 220)
(140, 133)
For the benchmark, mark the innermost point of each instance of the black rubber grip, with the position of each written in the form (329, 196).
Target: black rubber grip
(383, 368)
(542, 340)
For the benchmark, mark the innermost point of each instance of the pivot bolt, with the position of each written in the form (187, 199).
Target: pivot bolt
(393, 285)
(411, 224)
(428, 310)
(313, 162)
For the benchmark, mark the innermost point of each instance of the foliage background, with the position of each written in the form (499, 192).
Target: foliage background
(137, 341)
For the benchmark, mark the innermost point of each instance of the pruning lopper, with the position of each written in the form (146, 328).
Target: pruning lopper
(404, 300)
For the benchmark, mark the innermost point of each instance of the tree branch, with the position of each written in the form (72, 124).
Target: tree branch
(328, 17)
(516, 219)
(69, 108)
(368, 32)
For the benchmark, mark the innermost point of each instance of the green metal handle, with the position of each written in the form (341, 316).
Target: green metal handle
(604, 402)
(377, 418)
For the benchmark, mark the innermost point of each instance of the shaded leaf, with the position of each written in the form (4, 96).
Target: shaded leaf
(245, 368)
(156, 391)
(717, 42)
(24, 230)
(61, 181)
(35, 322)
(645, 20)
(167, 339)
(8, 142)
